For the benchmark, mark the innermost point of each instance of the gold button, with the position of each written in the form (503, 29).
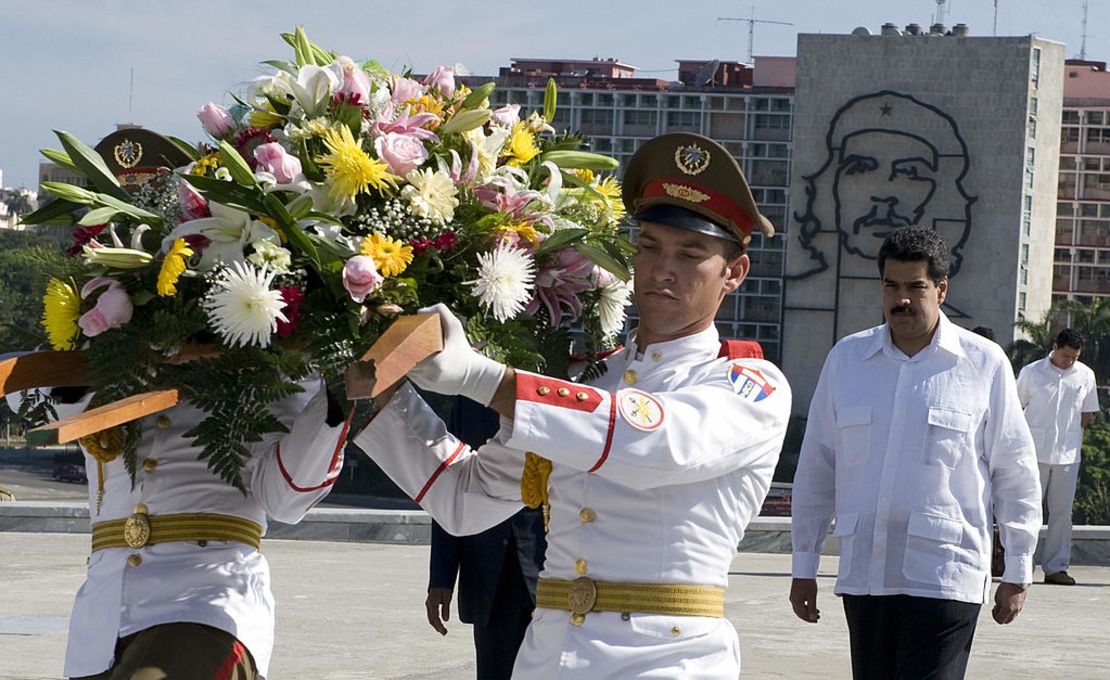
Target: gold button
(580, 567)
(164, 421)
(578, 619)
(630, 377)
(656, 356)
(587, 515)
(150, 464)
(542, 391)
(141, 509)
(563, 391)
(581, 396)
(134, 560)
(676, 631)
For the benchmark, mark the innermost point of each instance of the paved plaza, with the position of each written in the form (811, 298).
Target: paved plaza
(356, 610)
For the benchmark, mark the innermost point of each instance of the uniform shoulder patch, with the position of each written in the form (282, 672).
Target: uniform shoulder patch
(749, 383)
(640, 409)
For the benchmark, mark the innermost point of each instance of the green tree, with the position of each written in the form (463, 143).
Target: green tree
(1092, 495)
(23, 277)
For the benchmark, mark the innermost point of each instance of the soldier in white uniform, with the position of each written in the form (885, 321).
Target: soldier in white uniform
(655, 468)
(175, 580)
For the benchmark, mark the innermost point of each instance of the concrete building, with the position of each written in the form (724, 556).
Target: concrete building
(947, 130)
(748, 109)
(1081, 264)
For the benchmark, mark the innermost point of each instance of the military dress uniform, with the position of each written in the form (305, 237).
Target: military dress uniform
(181, 545)
(657, 467)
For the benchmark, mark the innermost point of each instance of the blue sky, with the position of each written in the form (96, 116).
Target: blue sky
(67, 63)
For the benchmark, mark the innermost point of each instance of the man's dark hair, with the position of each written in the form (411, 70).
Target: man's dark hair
(915, 243)
(1069, 337)
(985, 331)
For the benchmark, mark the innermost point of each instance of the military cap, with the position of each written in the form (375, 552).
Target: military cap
(134, 155)
(691, 182)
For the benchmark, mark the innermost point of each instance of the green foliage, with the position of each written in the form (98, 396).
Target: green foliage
(1092, 496)
(26, 258)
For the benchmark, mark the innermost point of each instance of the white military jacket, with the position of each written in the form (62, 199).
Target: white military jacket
(224, 585)
(912, 455)
(657, 468)
(1055, 401)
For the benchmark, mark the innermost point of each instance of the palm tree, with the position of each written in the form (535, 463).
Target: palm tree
(1039, 343)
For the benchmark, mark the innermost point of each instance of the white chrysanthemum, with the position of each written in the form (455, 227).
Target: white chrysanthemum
(431, 194)
(271, 256)
(504, 283)
(242, 307)
(611, 305)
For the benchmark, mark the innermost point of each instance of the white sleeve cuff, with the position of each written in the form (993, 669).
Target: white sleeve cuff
(804, 564)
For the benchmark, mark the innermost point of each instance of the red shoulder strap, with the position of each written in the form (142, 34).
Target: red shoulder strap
(740, 349)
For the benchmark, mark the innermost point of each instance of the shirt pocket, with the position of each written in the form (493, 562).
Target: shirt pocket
(949, 435)
(845, 533)
(931, 543)
(673, 628)
(853, 434)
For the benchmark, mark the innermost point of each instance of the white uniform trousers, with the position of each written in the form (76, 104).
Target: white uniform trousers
(1058, 488)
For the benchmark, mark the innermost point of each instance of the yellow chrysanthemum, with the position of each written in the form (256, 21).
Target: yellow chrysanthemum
(524, 230)
(61, 309)
(350, 170)
(206, 165)
(427, 104)
(610, 188)
(521, 146)
(390, 256)
(585, 175)
(173, 267)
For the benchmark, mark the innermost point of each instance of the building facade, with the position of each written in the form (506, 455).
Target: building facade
(950, 131)
(1081, 262)
(748, 110)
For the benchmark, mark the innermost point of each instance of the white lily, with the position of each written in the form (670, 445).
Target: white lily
(313, 88)
(229, 231)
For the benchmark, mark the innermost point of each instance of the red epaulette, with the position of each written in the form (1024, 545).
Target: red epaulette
(740, 349)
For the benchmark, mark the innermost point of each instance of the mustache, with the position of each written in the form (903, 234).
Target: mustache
(902, 309)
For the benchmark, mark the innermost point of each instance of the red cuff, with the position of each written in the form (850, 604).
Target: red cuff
(541, 389)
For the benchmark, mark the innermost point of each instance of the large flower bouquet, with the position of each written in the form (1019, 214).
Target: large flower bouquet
(332, 197)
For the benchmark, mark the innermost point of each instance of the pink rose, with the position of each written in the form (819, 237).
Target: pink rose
(361, 277)
(442, 79)
(402, 153)
(272, 158)
(355, 85)
(113, 307)
(507, 115)
(406, 89)
(216, 120)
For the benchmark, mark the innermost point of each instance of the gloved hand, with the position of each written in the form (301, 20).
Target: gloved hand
(459, 368)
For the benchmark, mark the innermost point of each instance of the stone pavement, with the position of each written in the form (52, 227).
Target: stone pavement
(350, 611)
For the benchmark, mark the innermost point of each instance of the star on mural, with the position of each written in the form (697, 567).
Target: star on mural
(885, 109)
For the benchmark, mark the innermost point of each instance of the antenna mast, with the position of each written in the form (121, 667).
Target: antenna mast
(751, 22)
(1083, 44)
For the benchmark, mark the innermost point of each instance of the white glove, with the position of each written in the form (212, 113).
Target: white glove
(458, 368)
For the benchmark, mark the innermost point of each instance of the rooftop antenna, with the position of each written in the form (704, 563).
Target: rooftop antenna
(752, 21)
(131, 94)
(940, 11)
(1083, 43)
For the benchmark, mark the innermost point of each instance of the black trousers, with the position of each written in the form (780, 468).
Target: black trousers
(497, 642)
(900, 637)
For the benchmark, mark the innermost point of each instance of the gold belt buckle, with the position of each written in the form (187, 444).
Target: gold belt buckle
(582, 595)
(136, 530)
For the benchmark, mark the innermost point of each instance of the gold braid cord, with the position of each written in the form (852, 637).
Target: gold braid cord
(533, 484)
(105, 446)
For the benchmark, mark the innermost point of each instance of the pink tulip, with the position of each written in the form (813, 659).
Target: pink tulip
(272, 158)
(113, 307)
(216, 120)
(442, 79)
(193, 205)
(356, 83)
(507, 115)
(361, 277)
(403, 153)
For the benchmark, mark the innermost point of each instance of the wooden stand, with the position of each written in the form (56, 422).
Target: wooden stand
(410, 340)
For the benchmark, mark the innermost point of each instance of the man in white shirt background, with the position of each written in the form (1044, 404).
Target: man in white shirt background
(915, 435)
(1059, 395)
